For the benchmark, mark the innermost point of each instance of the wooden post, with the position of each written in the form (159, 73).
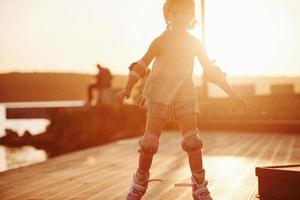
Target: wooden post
(3, 162)
(204, 83)
(203, 20)
(2, 119)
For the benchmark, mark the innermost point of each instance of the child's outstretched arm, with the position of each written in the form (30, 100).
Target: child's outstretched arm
(137, 70)
(213, 74)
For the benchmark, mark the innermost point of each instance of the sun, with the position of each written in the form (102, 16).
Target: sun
(245, 38)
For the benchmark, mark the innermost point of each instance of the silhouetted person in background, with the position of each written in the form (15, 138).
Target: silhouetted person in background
(102, 84)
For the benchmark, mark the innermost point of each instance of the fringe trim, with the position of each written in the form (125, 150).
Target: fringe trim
(166, 110)
(140, 102)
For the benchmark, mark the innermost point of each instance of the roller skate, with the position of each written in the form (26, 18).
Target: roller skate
(139, 185)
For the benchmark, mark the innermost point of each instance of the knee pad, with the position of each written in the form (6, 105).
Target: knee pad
(149, 143)
(191, 141)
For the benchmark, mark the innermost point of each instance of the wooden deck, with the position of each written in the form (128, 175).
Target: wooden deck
(106, 172)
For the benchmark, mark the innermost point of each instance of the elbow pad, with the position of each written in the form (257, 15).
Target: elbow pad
(138, 69)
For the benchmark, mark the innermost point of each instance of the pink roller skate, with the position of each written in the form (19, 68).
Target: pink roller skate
(200, 191)
(139, 186)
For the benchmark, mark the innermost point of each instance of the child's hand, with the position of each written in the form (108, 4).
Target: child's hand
(118, 99)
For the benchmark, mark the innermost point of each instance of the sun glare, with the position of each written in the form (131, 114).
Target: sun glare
(246, 37)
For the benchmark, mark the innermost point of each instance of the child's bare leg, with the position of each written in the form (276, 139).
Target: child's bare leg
(150, 142)
(148, 147)
(192, 144)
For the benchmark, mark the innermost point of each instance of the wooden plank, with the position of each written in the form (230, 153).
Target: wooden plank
(53, 172)
(185, 193)
(246, 180)
(111, 180)
(225, 166)
(106, 172)
(78, 179)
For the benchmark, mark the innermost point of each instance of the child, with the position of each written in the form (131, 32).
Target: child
(169, 94)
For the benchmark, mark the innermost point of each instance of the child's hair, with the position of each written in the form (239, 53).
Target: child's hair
(170, 3)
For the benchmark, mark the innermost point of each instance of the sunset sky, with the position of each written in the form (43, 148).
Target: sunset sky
(246, 37)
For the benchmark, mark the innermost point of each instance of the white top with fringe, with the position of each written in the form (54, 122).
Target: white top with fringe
(170, 82)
